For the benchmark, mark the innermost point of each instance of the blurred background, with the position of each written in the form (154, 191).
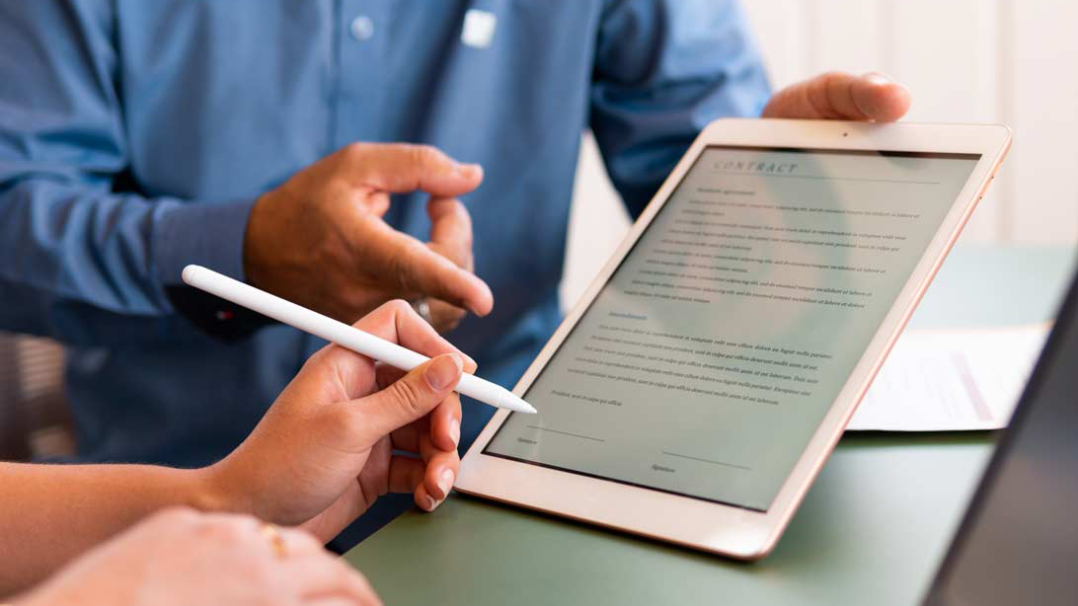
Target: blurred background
(965, 61)
(999, 61)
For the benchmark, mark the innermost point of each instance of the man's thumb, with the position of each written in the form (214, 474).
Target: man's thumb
(410, 397)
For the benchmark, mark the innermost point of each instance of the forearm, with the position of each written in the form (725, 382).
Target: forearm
(70, 279)
(51, 513)
(86, 253)
(664, 69)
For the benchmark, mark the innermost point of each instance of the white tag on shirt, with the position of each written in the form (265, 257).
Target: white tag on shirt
(478, 29)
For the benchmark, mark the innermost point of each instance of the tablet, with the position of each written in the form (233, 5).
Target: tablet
(695, 391)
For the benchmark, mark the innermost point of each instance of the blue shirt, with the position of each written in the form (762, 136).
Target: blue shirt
(135, 135)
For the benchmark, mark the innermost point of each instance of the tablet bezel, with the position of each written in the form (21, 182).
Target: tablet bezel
(724, 529)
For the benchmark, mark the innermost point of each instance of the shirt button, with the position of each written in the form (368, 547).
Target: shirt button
(362, 28)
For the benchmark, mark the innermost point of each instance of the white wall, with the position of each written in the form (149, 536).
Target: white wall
(1008, 61)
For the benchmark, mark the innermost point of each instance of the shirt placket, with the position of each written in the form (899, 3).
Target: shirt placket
(362, 28)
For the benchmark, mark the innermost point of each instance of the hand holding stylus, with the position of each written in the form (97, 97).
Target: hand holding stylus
(340, 333)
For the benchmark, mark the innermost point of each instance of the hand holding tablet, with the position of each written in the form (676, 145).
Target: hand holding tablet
(703, 379)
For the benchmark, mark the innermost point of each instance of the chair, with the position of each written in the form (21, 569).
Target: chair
(34, 416)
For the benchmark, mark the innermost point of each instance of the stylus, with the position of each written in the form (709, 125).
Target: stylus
(340, 333)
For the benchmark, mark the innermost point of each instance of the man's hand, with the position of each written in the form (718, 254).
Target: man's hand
(319, 239)
(330, 445)
(451, 237)
(839, 96)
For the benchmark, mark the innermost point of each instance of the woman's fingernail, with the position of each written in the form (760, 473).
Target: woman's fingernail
(428, 503)
(446, 481)
(454, 431)
(444, 371)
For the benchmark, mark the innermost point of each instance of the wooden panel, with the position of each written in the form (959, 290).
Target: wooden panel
(780, 30)
(946, 53)
(1044, 96)
(847, 36)
(597, 223)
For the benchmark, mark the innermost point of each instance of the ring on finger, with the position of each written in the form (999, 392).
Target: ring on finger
(422, 307)
(275, 538)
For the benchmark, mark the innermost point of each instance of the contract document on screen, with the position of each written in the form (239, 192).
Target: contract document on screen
(709, 358)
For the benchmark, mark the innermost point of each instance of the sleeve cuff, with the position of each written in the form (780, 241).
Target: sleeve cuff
(204, 234)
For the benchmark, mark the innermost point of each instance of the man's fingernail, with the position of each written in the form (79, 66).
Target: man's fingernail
(454, 431)
(486, 295)
(444, 371)
(877, 78)
(446, 481)
(470, 171)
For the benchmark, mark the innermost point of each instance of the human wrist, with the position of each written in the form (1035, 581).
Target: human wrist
(253, 253)
(267, 252)
(208, 490)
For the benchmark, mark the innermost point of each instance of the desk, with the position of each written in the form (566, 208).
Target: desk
(871, 531)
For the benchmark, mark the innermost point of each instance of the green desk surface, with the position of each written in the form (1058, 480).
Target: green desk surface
(871, 531)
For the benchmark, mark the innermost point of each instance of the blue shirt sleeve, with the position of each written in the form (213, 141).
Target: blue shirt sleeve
(71, 237)
(664, 70)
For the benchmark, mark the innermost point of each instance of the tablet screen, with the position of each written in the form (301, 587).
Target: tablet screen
(707, 362)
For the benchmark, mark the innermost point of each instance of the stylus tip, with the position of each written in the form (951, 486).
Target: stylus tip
(517, 404)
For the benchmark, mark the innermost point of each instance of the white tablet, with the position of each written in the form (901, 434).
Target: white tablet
(695, 391)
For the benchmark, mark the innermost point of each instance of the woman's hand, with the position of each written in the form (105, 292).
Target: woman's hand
(335, 440)
(182, 557)
(331, 444)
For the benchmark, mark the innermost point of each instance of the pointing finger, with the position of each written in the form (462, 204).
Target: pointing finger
(403, 168)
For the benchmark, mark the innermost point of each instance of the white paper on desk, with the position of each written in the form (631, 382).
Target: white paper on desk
(951, 380)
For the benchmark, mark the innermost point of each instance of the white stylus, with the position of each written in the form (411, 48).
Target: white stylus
(340, 333)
